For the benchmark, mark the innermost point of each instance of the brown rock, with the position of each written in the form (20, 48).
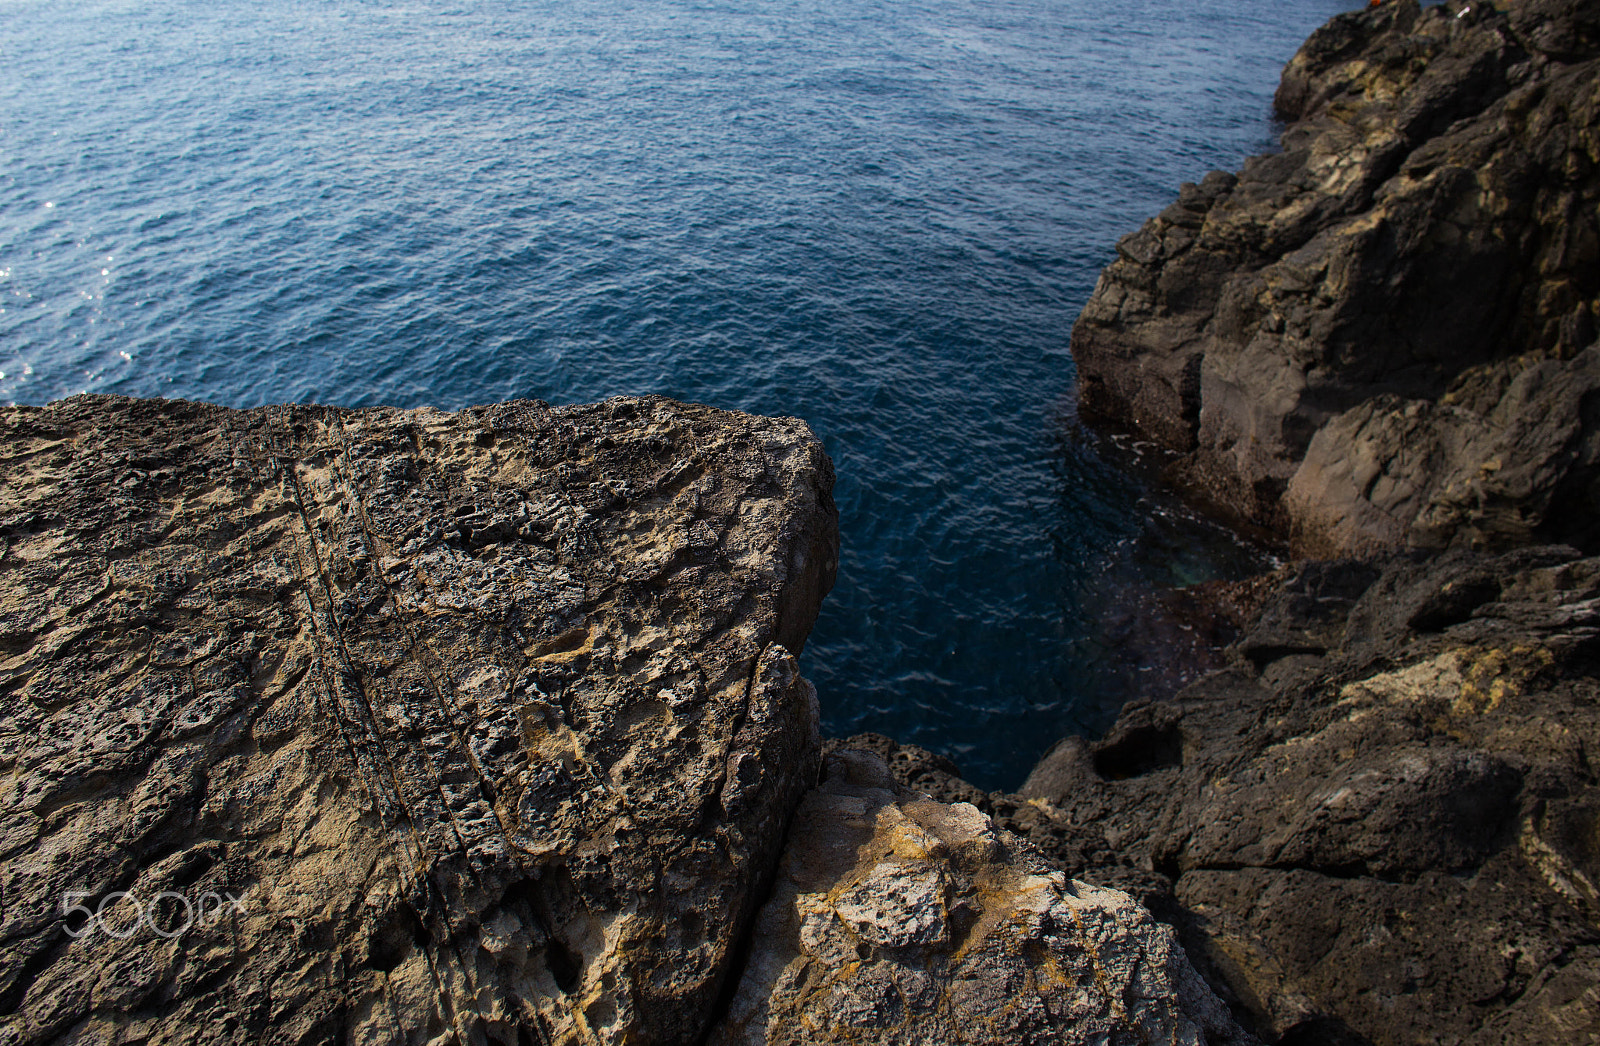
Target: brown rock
(399, 726)
(897, 919)
(1375, 827)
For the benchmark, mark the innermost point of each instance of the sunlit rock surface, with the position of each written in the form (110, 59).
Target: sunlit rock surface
(397, 726)
(898, 919)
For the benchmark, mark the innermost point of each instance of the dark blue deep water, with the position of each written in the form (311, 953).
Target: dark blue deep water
(880, 216)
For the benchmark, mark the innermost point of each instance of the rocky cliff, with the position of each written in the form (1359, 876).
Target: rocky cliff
(1380, 823)
(379, 726)
(1384, 334)
(382, 726)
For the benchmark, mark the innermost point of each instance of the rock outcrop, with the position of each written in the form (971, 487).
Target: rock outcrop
(1382, 823)
(899, 920)
(379, 726)
(1379, 824)
(1384, 334)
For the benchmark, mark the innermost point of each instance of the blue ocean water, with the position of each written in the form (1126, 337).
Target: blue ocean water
(879, 216)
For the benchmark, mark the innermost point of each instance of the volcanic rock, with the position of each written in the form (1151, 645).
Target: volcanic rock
(382, 726)
(1385, 333)
(1378, 825)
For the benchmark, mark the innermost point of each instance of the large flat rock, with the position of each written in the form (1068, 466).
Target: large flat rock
(396, 726)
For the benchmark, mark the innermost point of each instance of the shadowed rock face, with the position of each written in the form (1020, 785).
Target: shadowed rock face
(1379, 824)
(1385, 333)
(900, 920)
(402, 726)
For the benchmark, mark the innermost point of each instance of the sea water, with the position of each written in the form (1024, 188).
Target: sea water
(882, 217)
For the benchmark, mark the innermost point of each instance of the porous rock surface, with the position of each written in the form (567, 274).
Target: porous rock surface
(1385, 333)
(401, 726)
(1381, 824)
(899, 920)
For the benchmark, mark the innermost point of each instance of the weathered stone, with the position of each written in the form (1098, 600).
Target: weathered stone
(1377, 336)
(407, 726)
(896, 919)
(1390, 472)
(1376, 826)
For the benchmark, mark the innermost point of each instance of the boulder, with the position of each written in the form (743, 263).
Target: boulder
(1385, 333)
(382, 726)
(899, 920)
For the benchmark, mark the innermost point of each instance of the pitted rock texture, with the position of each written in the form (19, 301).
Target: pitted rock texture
(896, 919)
(1384, 334)
(403, 726)
(1382, 823)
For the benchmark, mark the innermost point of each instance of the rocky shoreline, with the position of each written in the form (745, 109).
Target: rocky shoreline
(380, 726)
(1380, 823)
(1383, 334)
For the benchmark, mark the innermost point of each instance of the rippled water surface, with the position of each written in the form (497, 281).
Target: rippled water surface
(880, 216)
